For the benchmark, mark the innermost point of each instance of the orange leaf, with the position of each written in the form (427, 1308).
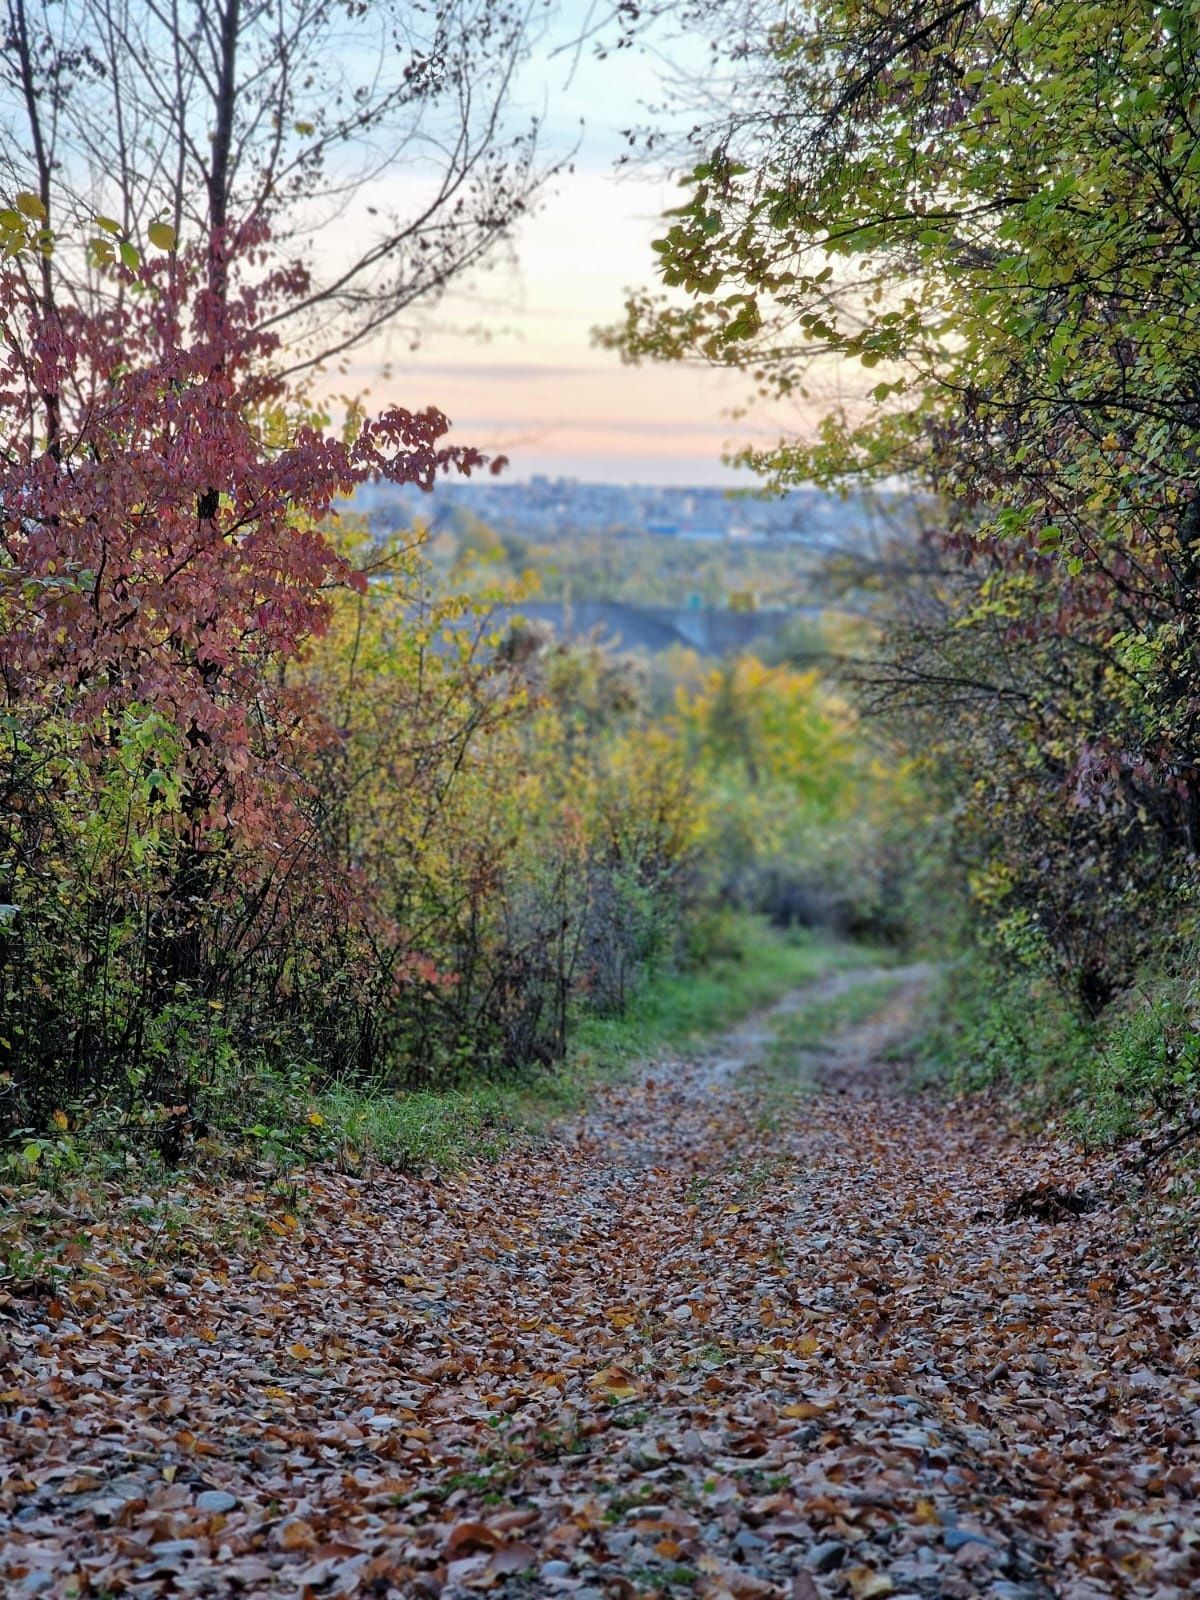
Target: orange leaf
(466, 1536)
(295, 1534)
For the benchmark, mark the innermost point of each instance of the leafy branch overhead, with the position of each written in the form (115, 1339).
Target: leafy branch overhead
(994, 207)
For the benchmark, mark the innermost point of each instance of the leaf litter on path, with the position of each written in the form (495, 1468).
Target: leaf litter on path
(710, 1340)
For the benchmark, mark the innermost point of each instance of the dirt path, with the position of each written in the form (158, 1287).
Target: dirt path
(720, 1338)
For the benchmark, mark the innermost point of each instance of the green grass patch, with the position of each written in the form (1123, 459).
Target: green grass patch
(984, 1028)
(276, 1124)
(1136, 1065)
(750, 965)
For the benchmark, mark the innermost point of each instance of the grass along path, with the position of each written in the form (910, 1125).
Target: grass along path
(714, 1338)
(670, 1013)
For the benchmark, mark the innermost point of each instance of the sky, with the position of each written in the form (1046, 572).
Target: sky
(538, 389)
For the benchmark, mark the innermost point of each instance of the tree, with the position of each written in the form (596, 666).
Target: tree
(161, 568)
(375, 140)
(990, 208)
(994, 205)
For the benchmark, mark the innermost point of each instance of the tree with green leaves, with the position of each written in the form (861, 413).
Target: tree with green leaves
(989, 208)
(990, 205)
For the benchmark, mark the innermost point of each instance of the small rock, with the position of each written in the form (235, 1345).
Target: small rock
(827, 1555)
(555, 1569)
(36, 1582)
(956, 1538)
(749, 1542)
(213, 1500)
(617, 1543)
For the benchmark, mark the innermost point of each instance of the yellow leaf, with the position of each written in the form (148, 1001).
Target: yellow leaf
(617, 1382)
(301, 1352)
(60, 1121)
(162, 235)
(804, 1410)
(316, 1120)
(30, 205)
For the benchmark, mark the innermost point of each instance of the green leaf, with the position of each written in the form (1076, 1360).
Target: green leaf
(130, 255)
(109, 225)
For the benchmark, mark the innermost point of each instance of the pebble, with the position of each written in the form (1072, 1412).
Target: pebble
(216, 1500)
(555, 1569)
(956, 1538)
(825, 1556)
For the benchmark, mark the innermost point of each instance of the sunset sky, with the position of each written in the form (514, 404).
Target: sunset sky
(537, 388)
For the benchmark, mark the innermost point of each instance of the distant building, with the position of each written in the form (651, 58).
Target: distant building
(710, 631)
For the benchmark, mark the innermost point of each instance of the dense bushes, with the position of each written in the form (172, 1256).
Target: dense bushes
(481, 837)
(810, 819)
(275, 807)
